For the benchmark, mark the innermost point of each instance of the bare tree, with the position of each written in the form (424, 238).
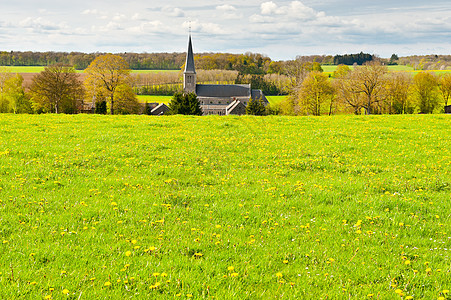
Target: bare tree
(57, 89)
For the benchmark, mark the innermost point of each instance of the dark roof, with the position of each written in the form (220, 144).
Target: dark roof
(189, 64)
(257, 94)
(223, 90)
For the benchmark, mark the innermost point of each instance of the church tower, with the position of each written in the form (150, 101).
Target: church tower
(189, 75)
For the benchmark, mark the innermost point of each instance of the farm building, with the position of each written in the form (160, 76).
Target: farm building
(218, 99)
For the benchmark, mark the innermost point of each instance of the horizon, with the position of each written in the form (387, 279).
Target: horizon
(280, 30)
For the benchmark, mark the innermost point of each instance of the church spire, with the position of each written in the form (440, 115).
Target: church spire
(189, 76)
(189, 65)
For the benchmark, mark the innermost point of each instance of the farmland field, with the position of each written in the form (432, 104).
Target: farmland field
(154, 99)
(116, 207)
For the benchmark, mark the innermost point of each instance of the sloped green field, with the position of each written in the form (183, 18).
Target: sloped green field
(117, 207)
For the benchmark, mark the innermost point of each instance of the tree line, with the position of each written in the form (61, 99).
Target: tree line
(366, 89)
(59, 89)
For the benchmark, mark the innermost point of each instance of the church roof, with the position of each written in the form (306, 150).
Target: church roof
(189, 65)
(223, 90)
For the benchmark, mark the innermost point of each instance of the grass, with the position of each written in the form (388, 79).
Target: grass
(227, 207)
(275, 99)
(38, 69)
(154, 99)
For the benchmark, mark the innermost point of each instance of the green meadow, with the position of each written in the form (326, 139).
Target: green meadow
(154, 99)
(179, 207)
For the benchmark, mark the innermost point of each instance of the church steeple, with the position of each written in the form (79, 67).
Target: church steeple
(189, 75)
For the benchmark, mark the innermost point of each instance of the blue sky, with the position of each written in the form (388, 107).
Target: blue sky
(280, 29)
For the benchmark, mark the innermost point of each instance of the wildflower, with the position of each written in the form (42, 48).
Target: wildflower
(198, 255)
(399, 292)
(65, 291)
(285, 261)
(409, 298)
(234, 274)
(107, 283)
(407, 262)
(445, 291)
(128, 253)
(428, 270)
(279, 275)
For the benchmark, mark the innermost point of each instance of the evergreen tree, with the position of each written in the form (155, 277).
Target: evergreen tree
(101, 107)
(185, 104)
(255, 107)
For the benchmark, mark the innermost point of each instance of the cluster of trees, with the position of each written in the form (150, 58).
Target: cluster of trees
(369, 89)
(58, 89)
(350, 59)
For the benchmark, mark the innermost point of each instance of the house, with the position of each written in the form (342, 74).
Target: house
(159, 110)
(218, 99)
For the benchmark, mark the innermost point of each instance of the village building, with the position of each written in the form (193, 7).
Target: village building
(218, 99)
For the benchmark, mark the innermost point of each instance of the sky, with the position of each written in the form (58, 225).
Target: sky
(280, 29)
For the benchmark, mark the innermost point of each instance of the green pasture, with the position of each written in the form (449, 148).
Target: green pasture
(154, 99)
(38, 69)
(276, 99)
(118, 207)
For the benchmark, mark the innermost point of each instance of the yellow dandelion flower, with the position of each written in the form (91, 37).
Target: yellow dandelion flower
(107, 283)
(285, 261)
(65, 291)
(279, 275)
(189, 295)
(407, 262)
(128, 253)
(48, 297)
(231, 268)
(445, 291)
(235, 274)
(409, 298)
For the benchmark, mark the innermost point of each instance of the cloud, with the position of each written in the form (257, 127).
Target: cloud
(296, 10)
(173, 11)
(40, 24)
(90, 12)
(204, 27)
(226, 7)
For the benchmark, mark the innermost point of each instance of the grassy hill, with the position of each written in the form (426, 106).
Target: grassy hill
(228, 207)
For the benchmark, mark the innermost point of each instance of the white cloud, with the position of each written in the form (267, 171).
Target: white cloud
(90, 12)
(226, 7)
(173, 11)
(204, 27)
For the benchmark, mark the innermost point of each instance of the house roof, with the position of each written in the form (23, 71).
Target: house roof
(189, 64)
(223, 90)
(257, 94)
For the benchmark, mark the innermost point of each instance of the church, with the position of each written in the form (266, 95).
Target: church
(218, 99)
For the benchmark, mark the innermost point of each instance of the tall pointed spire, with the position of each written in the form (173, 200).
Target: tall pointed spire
(189, 76)
(189, 65)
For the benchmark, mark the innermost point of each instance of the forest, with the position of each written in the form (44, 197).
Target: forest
(246, 63)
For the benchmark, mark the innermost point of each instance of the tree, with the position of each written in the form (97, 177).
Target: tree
(185, 104)
(255, 107)
(425, 87)
(126, 101)
(316, 91)
(57, 89)
(369, 81)
(12, 95)
(105, 74)
(445, 87)
(397, 93)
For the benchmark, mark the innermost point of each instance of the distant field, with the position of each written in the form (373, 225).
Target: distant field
(153, 98)
(37, 69)
(330, 69)
(275, 99)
